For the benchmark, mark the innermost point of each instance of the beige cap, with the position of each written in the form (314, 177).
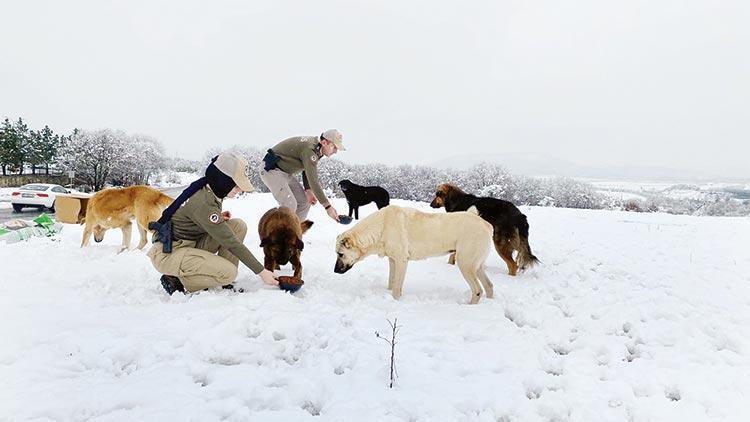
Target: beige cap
(334, 136)
(235, 167)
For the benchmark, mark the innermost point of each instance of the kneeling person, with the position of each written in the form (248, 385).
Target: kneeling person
(199, 229)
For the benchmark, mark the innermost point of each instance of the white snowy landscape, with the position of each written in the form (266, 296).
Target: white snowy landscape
(629, 317)
(619, 128)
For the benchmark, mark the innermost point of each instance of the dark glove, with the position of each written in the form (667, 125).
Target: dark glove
(163, 234)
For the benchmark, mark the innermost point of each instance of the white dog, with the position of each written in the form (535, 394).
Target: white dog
(405, 234)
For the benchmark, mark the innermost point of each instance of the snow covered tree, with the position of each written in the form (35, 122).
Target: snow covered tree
(571, 193)
(418, 183)
(94, 155)
(43, 148)
(19, 146)
(6, 145)
(143, 157)
(112, 156)
(253, 155)
(330, 173)
(14, 145)
(185, 165)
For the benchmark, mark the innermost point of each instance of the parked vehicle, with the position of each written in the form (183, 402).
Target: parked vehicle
(38, 195)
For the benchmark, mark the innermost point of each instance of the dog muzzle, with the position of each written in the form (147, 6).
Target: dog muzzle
(340, 268)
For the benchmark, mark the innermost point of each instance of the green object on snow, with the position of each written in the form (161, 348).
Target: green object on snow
(44, 227)
(47, 223)
(44, 220)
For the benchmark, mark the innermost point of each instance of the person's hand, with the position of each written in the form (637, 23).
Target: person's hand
(268, 278)
(332, 213)
(311, 199)
(227, 215)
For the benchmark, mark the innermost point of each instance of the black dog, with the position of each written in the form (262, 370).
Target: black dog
(357, 196)
(510, 227)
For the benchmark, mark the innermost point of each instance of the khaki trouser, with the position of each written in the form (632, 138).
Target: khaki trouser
(287, 190)
(196, 263)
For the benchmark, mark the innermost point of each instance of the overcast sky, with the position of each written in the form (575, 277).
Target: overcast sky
(631, 82)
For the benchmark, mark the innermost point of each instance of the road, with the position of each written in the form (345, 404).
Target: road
(7, 214)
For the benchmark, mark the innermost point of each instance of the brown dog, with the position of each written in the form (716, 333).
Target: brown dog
(510, 227)
(280, 235)
(115, 207)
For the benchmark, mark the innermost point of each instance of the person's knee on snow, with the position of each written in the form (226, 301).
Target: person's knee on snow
(200, 271)
(227, 274)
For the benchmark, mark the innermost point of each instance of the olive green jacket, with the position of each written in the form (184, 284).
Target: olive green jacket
(301, 154)
(201, 215)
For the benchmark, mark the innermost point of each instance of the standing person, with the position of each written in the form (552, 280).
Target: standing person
(292, 156)
(193, 229)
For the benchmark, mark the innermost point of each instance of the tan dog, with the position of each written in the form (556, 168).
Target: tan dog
(280, 235)
(405, 234)
(115, 207)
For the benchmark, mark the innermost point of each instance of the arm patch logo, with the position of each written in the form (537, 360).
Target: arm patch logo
(214, 218)
(314, 158)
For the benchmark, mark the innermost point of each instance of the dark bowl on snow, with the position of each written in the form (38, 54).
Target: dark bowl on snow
(290, 284)
(345, 219)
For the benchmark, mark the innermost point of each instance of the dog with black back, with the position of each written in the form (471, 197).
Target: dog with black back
(510, 226)
(357, 196)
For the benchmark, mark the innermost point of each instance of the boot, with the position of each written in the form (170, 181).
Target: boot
(172, 284)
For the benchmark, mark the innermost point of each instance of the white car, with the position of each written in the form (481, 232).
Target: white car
(38, 195)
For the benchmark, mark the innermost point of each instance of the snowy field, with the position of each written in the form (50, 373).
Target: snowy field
(630, 317)
(641, 190)
(5, 197)
(5, 194)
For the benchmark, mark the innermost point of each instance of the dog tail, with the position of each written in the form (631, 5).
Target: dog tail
(164, 200)
(526, 258)
(473, 210)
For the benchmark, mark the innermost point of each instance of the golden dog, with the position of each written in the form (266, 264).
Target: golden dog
(115, 207)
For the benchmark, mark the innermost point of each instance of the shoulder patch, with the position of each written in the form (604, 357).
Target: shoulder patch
(313, 158)
(214, 218)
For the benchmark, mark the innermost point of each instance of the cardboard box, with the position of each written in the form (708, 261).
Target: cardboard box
(71, 207)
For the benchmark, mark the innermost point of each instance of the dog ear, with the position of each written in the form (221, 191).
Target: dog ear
(264, 242)
(299, 244)
(306, 225)
(346, 242)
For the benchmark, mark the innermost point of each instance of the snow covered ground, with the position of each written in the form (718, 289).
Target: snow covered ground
(630, 317)
(5, 197)
(641, 190)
